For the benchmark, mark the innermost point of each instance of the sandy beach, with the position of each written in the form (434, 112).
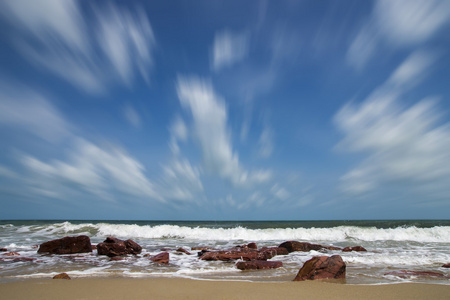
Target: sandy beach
(164, 288)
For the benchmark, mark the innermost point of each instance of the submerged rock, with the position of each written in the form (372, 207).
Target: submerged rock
(161, 258)
(3, 249)
(61, 276)
(116, 247)
(446, 265)
(355, 248)
(258, 265)
(67, 245)
(292, 246)
(246, 254)
(182, 250)
(322, 267)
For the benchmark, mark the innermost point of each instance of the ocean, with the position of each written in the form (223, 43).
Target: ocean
(416, 245)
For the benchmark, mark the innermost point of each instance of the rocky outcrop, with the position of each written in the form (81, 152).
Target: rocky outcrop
(322, 267)
(292, 246)
(116, 247)
(161, 258)
(277, 250)
(409, 273)
(61, 276)
(355, 248)
(67, 245)
(258, 265)
(252, 246)
(182, 250)
(247, 254)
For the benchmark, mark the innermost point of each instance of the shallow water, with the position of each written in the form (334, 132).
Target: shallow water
(392, 246)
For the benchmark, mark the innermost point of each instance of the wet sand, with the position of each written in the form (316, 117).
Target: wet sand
(165, 288)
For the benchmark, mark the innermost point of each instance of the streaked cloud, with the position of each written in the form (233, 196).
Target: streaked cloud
(101, 171)
(228, 49)
(25, 109)
(210, 119)
(132, 116)
(91, 55)
(402, 143)
(394, 24)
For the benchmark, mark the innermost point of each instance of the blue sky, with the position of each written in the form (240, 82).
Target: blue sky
(224, 110)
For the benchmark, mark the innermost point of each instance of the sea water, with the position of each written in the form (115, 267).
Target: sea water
(418, 245)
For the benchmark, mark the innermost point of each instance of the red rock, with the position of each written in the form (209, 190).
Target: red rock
(252, 246)
(3, 249)
(355, 248)
(446, 265)
(258, 265)
(182, 250)
(161, 258)
(116, 247)
(278, 250)
(61, 276)
(332, 248)
(22, 259)
(322, 267)
(229, 255)
(409, 273)
(201, 248)
(292, 246)
(11, 254)
(94, 247)
(67, 245)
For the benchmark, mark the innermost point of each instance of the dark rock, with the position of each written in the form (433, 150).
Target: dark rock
(200, 253)
(3, 249)
(61, 276)
(292, 246)
(322, 267)
(409, 273)
(116, 247)
(446, 265)
(161, 258)
(67, 245)
(252, 246)
(258, 265)
(356, 248)
(182, 250)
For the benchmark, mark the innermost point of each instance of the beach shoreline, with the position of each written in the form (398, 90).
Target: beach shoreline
(181, 288)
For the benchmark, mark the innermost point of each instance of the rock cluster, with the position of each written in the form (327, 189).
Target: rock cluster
(116, 247)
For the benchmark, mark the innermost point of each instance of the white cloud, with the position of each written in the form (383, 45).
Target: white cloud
(399, 23)
(96, 170)
(89, 54)
(266, 142)
(182, 181)
(402, 143)
(132, 116)
(405, 22)
(362, 48)
(5, 172)
(24, 109)
(210, 128)
(178, 132)
(279, 192)
(228, 49)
